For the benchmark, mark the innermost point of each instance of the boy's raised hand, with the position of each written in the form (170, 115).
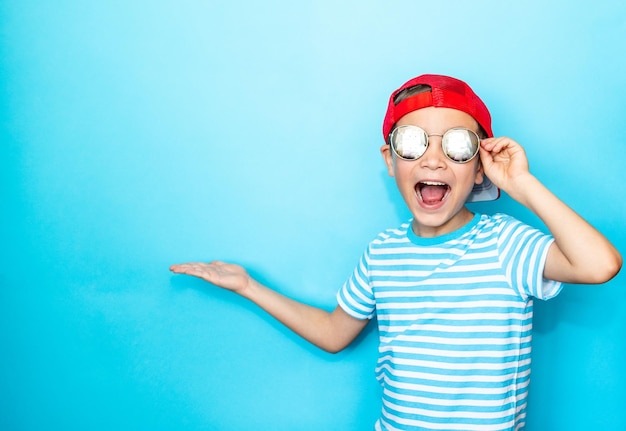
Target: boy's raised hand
(504, 161)
(229, 276)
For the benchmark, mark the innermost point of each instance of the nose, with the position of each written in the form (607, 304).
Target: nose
(433, 158)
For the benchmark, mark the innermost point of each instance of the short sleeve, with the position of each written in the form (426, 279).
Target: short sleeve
(356, 297)
(523, 254)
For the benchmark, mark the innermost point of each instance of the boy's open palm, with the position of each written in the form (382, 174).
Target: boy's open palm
(229, 276)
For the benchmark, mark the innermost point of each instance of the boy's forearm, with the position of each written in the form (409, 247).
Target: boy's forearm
(317, 326)
(582, 254)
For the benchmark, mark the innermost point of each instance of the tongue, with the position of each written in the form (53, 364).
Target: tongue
(433, 194)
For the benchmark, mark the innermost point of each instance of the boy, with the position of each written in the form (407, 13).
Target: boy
(452, 291)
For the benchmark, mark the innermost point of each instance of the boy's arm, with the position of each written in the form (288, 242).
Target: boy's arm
(579, 254)
(329, 331)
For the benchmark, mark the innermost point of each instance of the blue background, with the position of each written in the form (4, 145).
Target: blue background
(139, 134)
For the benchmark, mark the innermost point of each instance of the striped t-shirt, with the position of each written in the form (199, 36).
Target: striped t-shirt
(455, 319)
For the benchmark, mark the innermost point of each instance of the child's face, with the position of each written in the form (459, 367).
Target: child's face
(435, 188)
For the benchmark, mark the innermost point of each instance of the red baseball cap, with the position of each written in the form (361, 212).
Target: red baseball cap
(446, 92)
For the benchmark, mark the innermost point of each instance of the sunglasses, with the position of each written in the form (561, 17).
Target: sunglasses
(460, 145)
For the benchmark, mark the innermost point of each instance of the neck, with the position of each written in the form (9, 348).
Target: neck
(459, 220)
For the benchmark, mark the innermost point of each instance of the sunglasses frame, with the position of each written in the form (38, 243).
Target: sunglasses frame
(391, 134)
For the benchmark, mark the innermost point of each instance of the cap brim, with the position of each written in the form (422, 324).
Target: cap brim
(486, 191)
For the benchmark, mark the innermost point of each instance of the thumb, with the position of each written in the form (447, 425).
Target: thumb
(486, 158)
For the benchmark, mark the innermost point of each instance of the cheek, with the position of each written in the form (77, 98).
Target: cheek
(469, 174)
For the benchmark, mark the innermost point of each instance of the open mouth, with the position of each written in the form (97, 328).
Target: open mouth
(432, 192)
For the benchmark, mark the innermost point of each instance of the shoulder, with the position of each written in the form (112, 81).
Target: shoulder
(514, 236)
(389, 241)
(497, 222)
(505, 230)
(392, 235)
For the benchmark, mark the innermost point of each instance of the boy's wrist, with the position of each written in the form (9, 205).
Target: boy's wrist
(523, 188)
(252, 289)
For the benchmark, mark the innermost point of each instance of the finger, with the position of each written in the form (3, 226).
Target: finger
(489, 143)
(486, 158)
(495, 144)
(184, 268)
(176, 267)
(501, 145)
(179, 266)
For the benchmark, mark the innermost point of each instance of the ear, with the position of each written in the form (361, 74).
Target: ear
(480, 173)
(386, 152)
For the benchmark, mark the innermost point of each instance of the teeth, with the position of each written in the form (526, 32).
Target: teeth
(433, 183)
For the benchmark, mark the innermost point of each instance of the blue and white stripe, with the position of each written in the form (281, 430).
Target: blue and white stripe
(455, 322)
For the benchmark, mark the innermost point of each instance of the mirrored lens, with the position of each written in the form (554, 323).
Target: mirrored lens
(408, 142)
(460, 145)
